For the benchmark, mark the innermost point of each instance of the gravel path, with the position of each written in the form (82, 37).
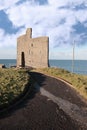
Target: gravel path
(39, 112)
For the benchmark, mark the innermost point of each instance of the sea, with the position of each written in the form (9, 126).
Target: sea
(76, 66)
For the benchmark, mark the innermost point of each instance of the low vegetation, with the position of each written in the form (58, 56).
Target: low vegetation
(79, 82)
(14, 81)
(12, 84)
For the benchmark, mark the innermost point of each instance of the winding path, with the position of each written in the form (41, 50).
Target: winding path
(53, 106)
(63, 95)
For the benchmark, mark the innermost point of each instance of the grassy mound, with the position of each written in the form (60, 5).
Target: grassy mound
(78, 81)
(12, 84)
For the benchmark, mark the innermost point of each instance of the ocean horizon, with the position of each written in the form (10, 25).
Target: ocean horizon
(79, 66)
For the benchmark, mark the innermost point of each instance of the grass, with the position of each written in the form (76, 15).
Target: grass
(12, 84)
(14, 81)
(79, 82)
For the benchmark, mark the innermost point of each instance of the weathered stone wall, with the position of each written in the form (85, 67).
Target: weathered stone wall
(33, 51)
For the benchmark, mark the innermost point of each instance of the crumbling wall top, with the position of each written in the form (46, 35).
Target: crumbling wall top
(29, 32)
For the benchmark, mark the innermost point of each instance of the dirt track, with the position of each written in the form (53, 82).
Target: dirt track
(40, 113)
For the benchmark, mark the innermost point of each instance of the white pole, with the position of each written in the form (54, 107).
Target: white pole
(73, 58)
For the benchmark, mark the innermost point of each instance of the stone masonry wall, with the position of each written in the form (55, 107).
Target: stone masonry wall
(33, 52)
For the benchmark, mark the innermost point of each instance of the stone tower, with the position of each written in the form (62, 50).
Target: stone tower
(32, 52)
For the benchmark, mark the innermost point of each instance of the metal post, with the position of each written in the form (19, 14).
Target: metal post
(73, 58)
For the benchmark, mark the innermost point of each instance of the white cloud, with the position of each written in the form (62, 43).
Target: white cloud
(6, 40)
(50, 20)
(81, 15)
(9, 40)
(1, 36)
(61, 3)
(4, 4)
(47, 19)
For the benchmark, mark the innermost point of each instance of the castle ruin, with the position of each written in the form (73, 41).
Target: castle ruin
(32, 52)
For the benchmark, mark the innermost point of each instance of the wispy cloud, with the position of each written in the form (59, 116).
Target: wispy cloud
(4, 4)
(62, 20)
(49, 19)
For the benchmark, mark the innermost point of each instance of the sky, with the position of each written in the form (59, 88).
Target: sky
(63, 21)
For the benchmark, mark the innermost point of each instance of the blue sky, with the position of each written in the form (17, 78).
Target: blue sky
(64, 21)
